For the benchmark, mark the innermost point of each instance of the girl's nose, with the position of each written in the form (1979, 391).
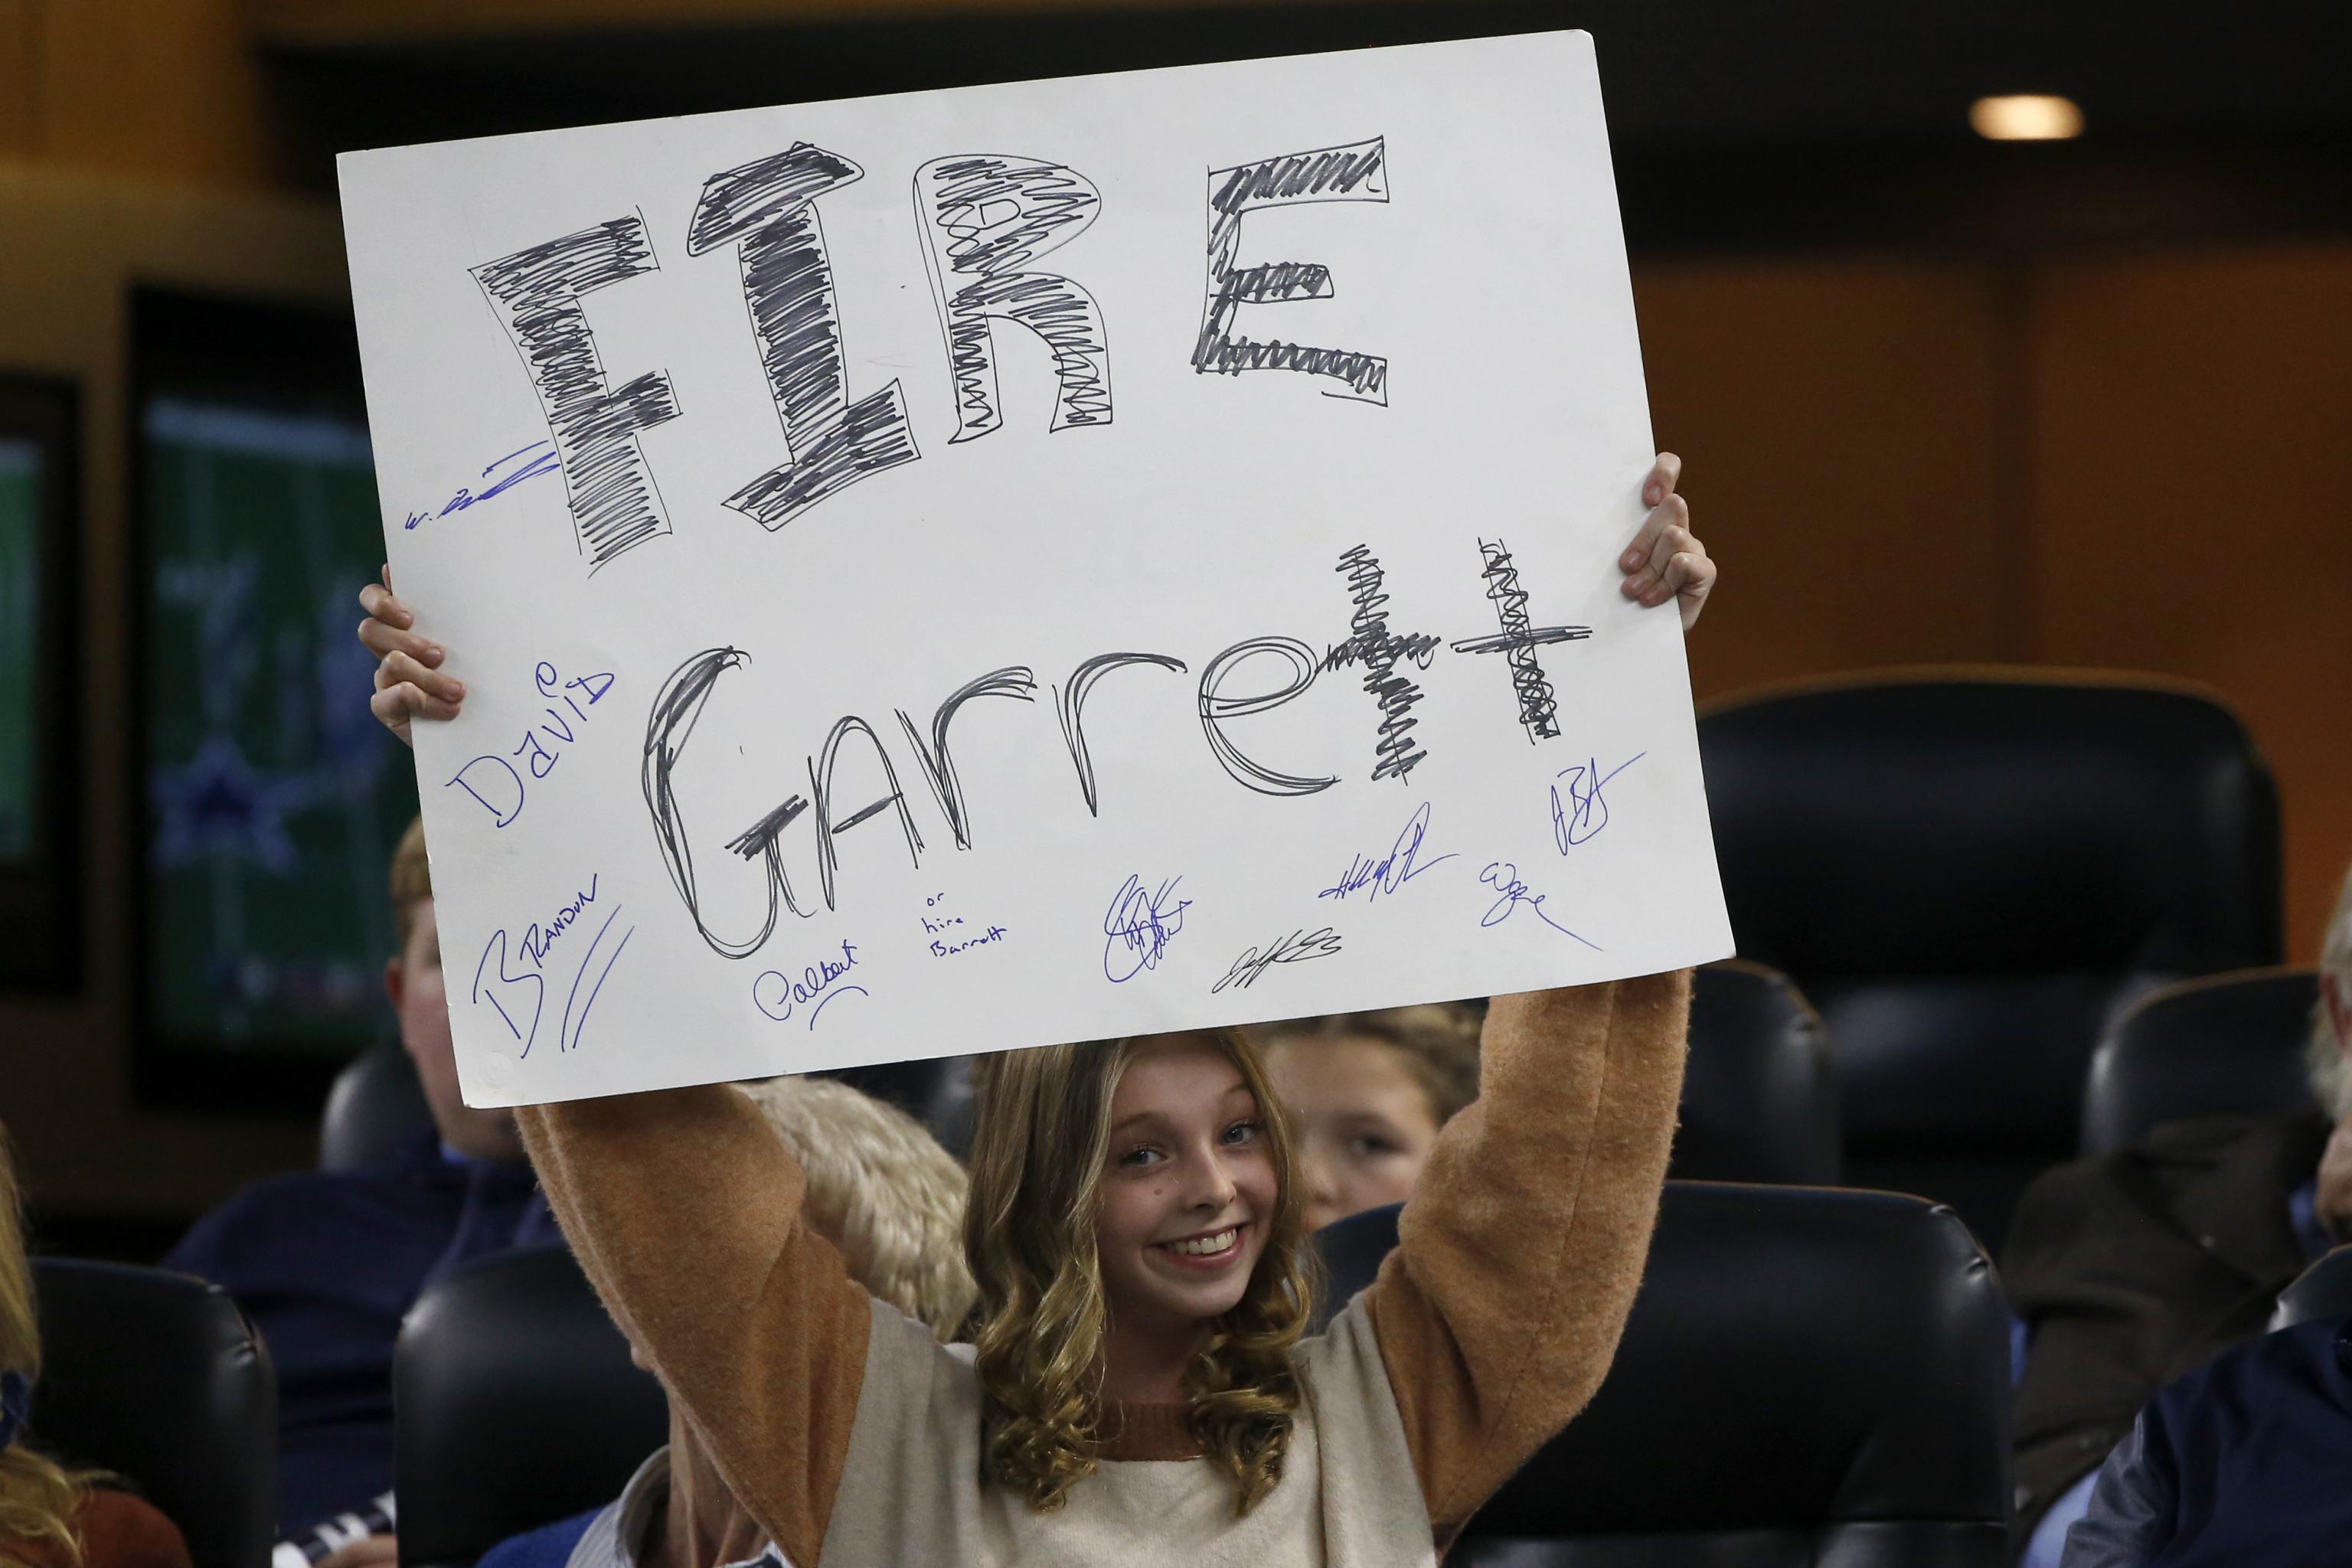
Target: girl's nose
(1213, 1188)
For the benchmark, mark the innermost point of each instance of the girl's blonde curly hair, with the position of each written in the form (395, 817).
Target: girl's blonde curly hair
(1041, 1140)
(38, 1499)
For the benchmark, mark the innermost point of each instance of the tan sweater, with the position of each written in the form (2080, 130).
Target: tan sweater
(1488, 1329)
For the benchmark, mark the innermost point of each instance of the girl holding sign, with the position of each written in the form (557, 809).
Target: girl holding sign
(1139, 1387)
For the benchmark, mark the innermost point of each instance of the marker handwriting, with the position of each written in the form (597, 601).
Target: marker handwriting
(1298, 947)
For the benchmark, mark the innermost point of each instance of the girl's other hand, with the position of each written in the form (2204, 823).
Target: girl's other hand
(409, 681)
(1666, 560)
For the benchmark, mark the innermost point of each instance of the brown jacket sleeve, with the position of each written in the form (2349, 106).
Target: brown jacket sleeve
(685, 1209)
(1499, 1312)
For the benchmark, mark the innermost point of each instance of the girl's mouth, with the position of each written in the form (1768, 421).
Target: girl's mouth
(1210, 1251)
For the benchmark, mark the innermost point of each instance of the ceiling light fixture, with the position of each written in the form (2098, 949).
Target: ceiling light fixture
(2026, 117)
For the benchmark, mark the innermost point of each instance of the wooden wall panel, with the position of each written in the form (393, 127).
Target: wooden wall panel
(164, 90)
(2192, 505)
(1841, 423)
(19, 86)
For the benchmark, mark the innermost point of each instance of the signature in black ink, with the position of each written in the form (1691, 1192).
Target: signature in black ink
(1139, 926)
(816, 984)
(1580, 817)
(1296, 948)
(543, 461)
(1504, 877)
(500, 986)
(1392, 870)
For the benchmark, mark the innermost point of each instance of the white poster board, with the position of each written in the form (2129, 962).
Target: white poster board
(916, 596)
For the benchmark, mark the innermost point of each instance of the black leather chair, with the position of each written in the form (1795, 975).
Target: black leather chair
(2322, 1291)
(376, 1103)
(1971, 873)
(2229, 1045)
(1760, 1097)
(1808, 1377)
(517, 1406)
(158, 1377)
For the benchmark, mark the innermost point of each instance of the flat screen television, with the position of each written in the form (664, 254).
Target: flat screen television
(270, 798)
(40, 904)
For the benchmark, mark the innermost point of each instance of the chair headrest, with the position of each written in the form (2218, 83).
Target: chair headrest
(1953, 825)
(157, 1377)
(1816, 1355)
(1760, 1097)
(2228, 1045)
(377, 1102)
(517, 1407)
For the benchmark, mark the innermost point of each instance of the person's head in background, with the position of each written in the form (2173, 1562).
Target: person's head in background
(37, 1499)
(1366, 1094)
(411, 978)
(882, 1190)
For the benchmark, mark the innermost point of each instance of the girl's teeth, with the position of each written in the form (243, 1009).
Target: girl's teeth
(1204, 1248)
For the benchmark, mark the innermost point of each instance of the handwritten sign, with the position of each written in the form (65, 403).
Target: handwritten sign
(975, 569)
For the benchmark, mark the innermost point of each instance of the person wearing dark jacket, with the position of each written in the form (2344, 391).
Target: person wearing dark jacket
(2240, 1464)
(327, 1263)
(2129, 1271)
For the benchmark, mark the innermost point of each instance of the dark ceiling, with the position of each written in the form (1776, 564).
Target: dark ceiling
(1808, 124)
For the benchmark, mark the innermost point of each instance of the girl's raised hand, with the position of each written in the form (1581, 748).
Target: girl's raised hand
(1666, 559)
(409, 681)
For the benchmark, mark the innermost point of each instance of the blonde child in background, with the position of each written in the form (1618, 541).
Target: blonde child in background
(1367, 1094)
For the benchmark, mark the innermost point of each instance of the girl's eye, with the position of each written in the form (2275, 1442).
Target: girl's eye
(1241, 1131)
(1370, 1146)
(1140, 1155)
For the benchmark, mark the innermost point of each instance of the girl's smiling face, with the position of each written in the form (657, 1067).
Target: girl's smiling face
(1361, 1120)
(1187, 1189)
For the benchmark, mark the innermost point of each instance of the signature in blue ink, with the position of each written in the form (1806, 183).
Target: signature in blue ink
(1139, 926)
(1584, 814)
(538, 939)
(1504, 877)
(943, 949)
(1392, 870)
(569, 1038)
(501, 983)
(541, 744)
(777, 994)
(543, 461)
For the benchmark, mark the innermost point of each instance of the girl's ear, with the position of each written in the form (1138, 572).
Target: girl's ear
(2337, 997)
